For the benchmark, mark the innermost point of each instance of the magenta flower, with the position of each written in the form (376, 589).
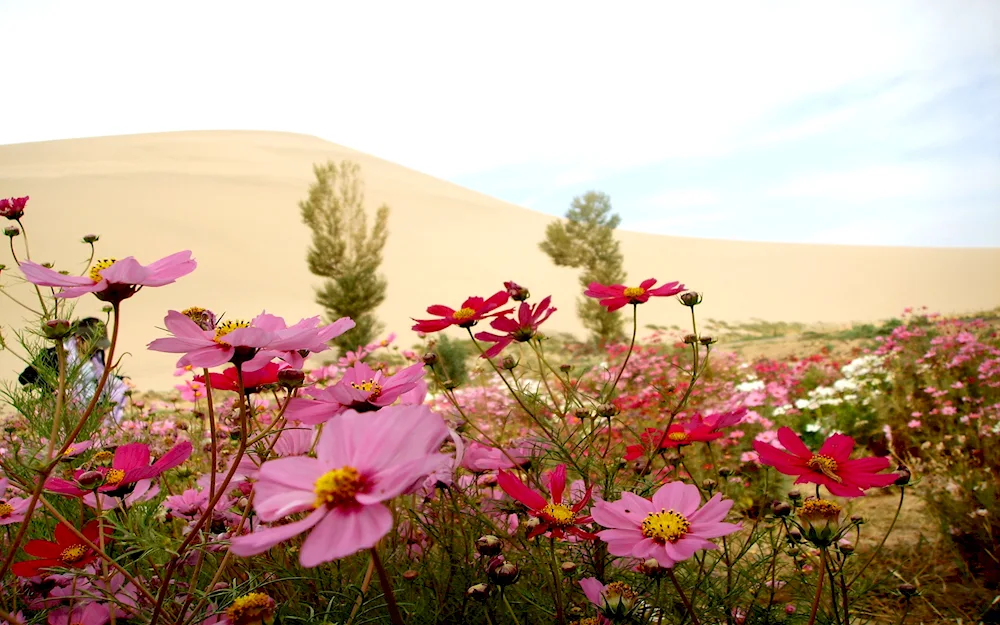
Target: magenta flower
(831, 466)
(229, 341)
(472, 310)
(130, 465)
(291, 341)
(90, 613)
(554, 516)
(361, 389)
(362, 460)
(12, 509)
(670, 527)
(615, 296)
(13, 208)
(480, 458)
(112, 280)
(520, 329)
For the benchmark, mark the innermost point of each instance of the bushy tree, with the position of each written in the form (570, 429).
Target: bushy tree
(345, 251)
(586, 240)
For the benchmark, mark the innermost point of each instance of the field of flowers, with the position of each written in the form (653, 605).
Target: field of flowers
(537, 480)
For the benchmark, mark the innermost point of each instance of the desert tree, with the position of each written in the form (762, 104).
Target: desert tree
(586, 240)
(345, 251)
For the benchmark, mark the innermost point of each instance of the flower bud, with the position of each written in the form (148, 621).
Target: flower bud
(708, 340)
(781, 509)
(690, 298)
(450, 385)
(582, 414)
(91, 238)
(908, 590)
(820, 521)
(479, 592)
(255, 608)
(794, 535)
(709, 485)
(690, 339)
(531, 523)
(725, 472)
(794, 495)
(291, 378)
(410, 575)
(565, 368)
(904, 476)
(607, 410)
(56, 329)
(430, 359)
(89, 480)
(503, 573)
(516, 292)
(508, 363)
(618, 601)
(857, 519)
(568, 568)
(11, 231)
(651, 568)
(846, 548)
(489, 545)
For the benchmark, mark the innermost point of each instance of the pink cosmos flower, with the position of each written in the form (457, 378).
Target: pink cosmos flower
(13, 208)
(143, 490)
(670, 527)
(361, 389)
(831, 466)
(291, 341)
(520, 329)
(13, 509)
(295, 441)
(90, 613)
(192, 390)
(554, 516)
(362, 461)
(112, 280)
(616, 296)
(479, 457)
(187, 504)
(472, 310)
(130, 465)
(230, 341)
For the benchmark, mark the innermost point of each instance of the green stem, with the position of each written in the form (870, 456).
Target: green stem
(899, 508)
(631, 346)
(684, 598)
(510, 610)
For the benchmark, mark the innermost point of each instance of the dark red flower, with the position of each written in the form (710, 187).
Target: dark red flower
(252, 380)
(67, 551)
(13, 208)
(520, 329)
(130, 464)
(472, 310)
(614, 296)
(554, 516)
(698, 430)
(831, 466)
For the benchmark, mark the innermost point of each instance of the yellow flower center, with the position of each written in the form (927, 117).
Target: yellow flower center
(677, 436)
(252, 608)
(369, 386)
(619, 589)
(5, 509)
(98, 267)
(226, 327)
(559, 515)
(103, 456)
(337, 487)
(819, 510)
(114, 477)
(665, 526)
(825, 465)
(70, 451)
(194, 313)
(463, 313)
(73, 554)
(633, 292)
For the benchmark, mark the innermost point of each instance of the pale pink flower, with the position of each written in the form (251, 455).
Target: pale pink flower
(362, 461)
(229, 341)
(913, 423)
(13, 509)
(87, 614)
(290, 341)
(479, 457)
(112, 280)
(670, 527)
(362, 389)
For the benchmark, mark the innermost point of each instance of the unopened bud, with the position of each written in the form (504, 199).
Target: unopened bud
(516, 292)
(291, 378)
(708, 340)
(582, 413)
(502, 572)
(479, 592)
(908, 590)
(607, 410)
(794, 535)
(410, 575)
(565, 368)
(904, 476)
(90, 480)
(531, 523)
(857, 519)
(91, 238)
(651, 568)
(56, 329)
(430, 359)
(781, 509)
(725, 472)
(450, 385)
(690, 339)
(709, 484)
(235, 434)
(846, 548)
(12, 231)
(690, 298)
(568, 568)
(508, 363)
(489, 545)
(794, 495)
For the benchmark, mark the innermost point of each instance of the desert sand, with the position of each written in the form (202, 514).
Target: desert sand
(232, 198)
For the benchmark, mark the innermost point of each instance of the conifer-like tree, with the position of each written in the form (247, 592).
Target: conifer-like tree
(586, 240)
(345, 251)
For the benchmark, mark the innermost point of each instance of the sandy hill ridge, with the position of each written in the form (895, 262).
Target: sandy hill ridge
(232, 198)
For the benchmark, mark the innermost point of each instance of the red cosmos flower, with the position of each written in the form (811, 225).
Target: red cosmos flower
(615, 296)
(13, 208)
(555, 516)
(831, 467)
(698, 430)
(473, 309)
(67, 551)
(252, 380)
(520, 329)
(130, 464)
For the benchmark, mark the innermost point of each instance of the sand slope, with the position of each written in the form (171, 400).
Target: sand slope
(231, 197)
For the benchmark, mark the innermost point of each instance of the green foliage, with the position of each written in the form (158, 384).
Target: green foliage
(345, 251)
(586, 240)
(453, 356)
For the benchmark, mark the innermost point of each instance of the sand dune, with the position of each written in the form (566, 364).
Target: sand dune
(231, 197)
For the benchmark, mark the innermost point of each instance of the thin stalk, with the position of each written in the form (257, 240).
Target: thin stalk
(211, 428)
(899, 508)
(631, 346)
(365, 583)
(390, 598)
(513, 616)
(684, 598)
(819, 587)
(60, 400)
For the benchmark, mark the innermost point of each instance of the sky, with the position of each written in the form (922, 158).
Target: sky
(848, 122)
